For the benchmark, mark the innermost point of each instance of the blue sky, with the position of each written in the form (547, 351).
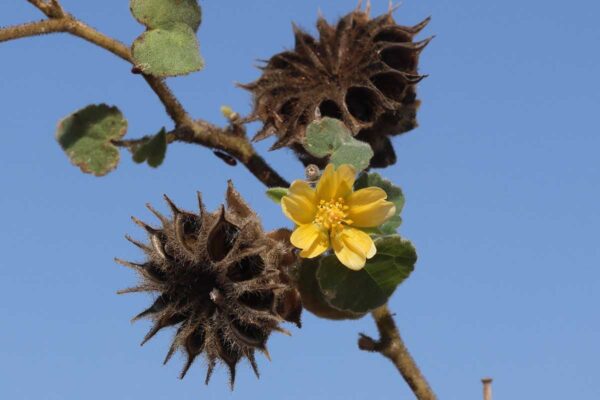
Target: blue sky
(502, 180)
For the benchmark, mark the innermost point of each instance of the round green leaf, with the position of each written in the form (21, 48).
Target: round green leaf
(364, 290)
(162, 13)
(167, 52)
(393, 263)
(325, 135)
(348, 290)
(356, 153)
(312, 297)
(86, 136)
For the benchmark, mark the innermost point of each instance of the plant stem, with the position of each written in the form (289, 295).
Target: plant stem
(232, 141)
(391, 346)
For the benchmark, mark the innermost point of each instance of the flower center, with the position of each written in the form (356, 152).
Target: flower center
(331, 214)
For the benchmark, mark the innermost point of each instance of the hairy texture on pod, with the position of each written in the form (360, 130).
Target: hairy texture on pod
(220, 280)
(363, 71)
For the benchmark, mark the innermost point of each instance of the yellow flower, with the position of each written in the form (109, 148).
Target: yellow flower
(327, 216)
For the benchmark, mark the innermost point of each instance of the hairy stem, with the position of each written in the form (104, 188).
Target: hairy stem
(231, 141)
(391, 346)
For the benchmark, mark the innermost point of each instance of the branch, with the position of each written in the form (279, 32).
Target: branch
(391, 346)
(52, 9)
(197, 131)
(213, 134)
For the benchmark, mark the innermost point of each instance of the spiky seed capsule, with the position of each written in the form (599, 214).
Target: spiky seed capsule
(362, 71)
(221, 279)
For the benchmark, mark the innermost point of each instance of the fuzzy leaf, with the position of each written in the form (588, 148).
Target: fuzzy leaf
(153, 150)
(348, 290)
(326, 135)
(356, 153)
(394, 194)
(330, 137)
(162, 13)
(312, 297)
(393, 263)
(167, 52)
(86, 136)
(364, 290)
(276, 193)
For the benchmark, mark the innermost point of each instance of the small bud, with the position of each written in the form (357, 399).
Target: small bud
(229, 113)
(312, 173)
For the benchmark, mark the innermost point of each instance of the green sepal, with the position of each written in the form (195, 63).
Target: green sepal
(153, 150)
(86, 137)
(276, 193)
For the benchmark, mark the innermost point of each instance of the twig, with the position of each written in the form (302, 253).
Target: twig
(52, 9)
(391, 346)
(197, 131)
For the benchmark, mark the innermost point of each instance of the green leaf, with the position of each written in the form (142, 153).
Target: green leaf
(364, 290)
(167, 52)
(153, 150)
(162, 13)
(394, 194)
(330, 137)
(86, 137)
(276, 193)
(356, 153)
(326, 135)
(391, 226)
(393, 263)
(312, 297)
(348, 290)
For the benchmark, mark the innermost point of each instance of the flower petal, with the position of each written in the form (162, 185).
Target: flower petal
(311, 239)
(352, 247)
(299, 204)
(327, 185)
(346, 177)
(368, 207)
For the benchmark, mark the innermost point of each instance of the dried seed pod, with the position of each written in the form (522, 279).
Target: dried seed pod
(220, 279)
(362, 71)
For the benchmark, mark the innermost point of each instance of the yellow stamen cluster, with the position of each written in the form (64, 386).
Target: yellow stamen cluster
(331, 214)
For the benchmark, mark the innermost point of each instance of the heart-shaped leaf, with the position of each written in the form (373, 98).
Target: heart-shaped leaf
(86, 137)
